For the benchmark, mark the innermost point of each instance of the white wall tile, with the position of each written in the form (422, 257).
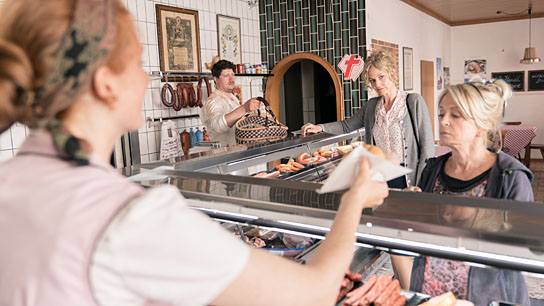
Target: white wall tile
(18, 135)
(142, 32)
(5, 140)
(133, 9)
(153, 56)
(144, 159)
(153, 157)
(5, 154)
(140, 5)
(151, 143)
(143, 143)
(150, 11)
(145, 56)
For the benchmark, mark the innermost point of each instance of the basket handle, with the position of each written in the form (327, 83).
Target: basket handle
(268, 110)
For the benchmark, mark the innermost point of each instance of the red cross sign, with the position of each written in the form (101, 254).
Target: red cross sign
(352, 66)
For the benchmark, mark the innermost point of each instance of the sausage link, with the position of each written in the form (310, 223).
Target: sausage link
(400, 301)
(388, 293)
(273, 174)
(358, 293)
(302, 156)
(381, 283)
(173, 95)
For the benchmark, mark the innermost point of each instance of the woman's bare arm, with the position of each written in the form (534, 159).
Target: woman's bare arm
(271, 280)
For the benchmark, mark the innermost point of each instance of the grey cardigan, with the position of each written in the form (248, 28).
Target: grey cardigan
(418, 137)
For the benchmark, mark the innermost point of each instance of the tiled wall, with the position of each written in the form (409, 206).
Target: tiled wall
(144, 15)
(328, 28)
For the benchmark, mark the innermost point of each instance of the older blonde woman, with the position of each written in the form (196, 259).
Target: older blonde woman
(469, 116)
(396, 121)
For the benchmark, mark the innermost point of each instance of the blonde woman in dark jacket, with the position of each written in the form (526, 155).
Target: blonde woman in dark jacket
(469, 119)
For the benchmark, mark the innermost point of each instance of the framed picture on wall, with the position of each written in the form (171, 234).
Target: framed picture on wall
(179, 42)
(408, 57)
(229, 38)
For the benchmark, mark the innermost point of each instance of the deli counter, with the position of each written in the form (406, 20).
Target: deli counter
(483, 233)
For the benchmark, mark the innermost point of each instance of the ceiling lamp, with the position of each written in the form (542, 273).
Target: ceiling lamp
(530, 53)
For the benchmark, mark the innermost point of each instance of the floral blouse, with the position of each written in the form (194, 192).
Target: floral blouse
(387, 130)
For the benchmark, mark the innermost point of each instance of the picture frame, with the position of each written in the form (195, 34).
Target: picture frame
(229, 39)
(408, 64)
(179, 39)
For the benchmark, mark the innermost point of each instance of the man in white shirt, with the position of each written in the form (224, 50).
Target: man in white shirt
(222, 109)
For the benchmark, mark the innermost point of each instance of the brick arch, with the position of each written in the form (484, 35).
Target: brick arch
(273, 83)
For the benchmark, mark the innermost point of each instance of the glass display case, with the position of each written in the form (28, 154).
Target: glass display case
(480, 234)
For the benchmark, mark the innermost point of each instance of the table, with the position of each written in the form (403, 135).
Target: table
(517, 138)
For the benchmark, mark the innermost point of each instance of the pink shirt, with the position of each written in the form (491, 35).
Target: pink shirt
(87, 236)
(45, 253)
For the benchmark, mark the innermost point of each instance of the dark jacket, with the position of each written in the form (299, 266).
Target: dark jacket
(416, 128)
(508, 179)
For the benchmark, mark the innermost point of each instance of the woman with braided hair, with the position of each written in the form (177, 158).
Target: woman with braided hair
(75, 232)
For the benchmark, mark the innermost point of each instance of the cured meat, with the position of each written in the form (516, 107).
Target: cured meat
(381, 283)
(358, 293)
(391, 292)
(173, 95)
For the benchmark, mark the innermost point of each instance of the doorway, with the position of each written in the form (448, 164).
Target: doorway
(427, 88)
(307, 94)
(323, 72)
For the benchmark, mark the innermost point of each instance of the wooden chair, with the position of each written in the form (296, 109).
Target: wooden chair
(528, 149)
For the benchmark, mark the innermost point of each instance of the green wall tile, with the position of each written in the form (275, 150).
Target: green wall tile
(355, 98)
(361, 19)
(321, 31)
(361, 4)
(321, 14)
(353, 10)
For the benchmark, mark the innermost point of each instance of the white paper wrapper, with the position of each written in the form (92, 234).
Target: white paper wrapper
(151, 175)
(381, 170)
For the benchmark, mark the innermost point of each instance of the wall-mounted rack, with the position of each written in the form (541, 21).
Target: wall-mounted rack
(193, 76)
(152, 121)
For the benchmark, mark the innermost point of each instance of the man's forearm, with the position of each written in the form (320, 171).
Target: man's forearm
(235, 115)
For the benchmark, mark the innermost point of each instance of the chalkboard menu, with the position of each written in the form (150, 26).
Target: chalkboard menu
(536, 80)
(516, 79)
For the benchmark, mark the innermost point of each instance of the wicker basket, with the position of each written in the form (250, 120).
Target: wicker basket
(256, 128)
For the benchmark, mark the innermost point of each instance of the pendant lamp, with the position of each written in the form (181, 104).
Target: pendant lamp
(530, 53)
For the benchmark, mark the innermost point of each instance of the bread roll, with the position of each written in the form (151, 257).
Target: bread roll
(446, 299)
(344, 149)
(374, 150)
